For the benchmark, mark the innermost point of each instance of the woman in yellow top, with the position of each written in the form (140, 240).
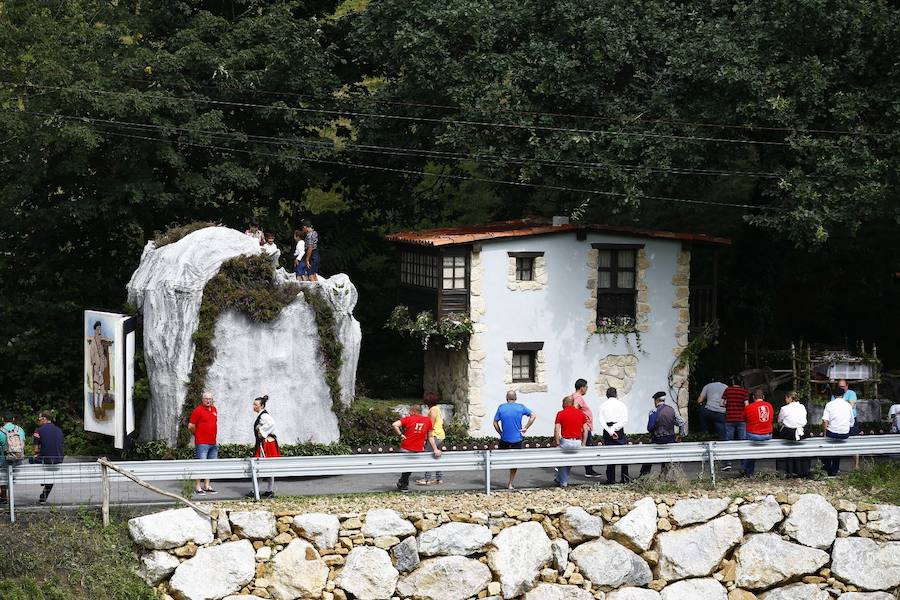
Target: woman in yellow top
(437, 428)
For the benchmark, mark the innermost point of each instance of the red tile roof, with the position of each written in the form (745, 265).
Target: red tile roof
(451, 236)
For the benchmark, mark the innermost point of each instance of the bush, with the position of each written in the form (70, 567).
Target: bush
(176, 232)
(368, 423)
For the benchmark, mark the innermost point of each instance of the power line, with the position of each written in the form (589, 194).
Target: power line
(399, 151)
(535, 113)
(439, 175)
(466, 123)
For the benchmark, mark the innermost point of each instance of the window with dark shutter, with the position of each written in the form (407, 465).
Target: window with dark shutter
(524, 269)
(616, 281)
(523, 363)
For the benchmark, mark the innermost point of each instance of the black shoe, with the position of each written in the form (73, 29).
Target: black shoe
(250, 494)
(42, 499)
(210, 491)
(593, 475)
(402, 488)
(267, 495)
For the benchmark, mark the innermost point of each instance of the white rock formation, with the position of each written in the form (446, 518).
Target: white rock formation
(764, 560)
(697, 510)
(633, 593)
(170, 529)
(454, 538)
(812, 521)
(552, 591)
(696, 551)
(445, 578)
(888, 523)
(866, 563)
(298, 572)
(694, 589)
(637, 528)
(797, 591)
(156, 566)
(518, 555)
(578, 525)
(383, 522)
(279, 358)
(368, 574)
(560, 550)
(319, 528)
(253, 524)
(867, 596)
(215, 571)
(611, 564)
(761, 516)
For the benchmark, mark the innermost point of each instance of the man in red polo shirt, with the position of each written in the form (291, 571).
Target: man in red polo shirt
(571, 431)
(203, 424)
(416, 429)
(759, 415)
(734, 399)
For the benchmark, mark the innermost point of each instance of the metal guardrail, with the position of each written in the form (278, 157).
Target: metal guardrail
(471, 460)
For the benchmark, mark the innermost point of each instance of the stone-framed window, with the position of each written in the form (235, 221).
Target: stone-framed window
(617, 270)
(525, 367)
(526, 271)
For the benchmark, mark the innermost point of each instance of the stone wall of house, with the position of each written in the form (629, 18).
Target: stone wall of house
(538, 282)
(777, 547)
(681, 281)
(447, 374)
(642, 308)
(476, 354)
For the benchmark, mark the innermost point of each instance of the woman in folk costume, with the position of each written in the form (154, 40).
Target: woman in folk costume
(266, 442)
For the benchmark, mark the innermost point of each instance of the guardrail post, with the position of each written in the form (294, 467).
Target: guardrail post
(487, 472)
(11, 494)
(104, 491)
(712, 461)
(255, 480)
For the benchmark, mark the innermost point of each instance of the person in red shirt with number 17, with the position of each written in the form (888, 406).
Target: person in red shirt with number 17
(759, 416)
(416, 429)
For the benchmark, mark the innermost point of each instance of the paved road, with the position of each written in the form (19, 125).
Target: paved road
(127, 493)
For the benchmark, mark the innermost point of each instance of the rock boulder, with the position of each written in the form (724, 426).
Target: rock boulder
(171, 529)
(368, 574)
(215, 572)
(445, 578)
(552, 591)
(812, 522)
(633, 593)
(764, 560)
(253, 524)
(384, 522)
(760, 517)
(797, 591)
(319, 528)
(697, 510)
(888, 523)
(517, 556)
(694, 589)
(866, 563)
(298, 571)
(454, 538)
(609, 563)
(637, 528)
(696, 551)
(156, 566)
(577, 525)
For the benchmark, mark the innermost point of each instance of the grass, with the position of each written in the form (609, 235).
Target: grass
(880, 480)
(56, 556)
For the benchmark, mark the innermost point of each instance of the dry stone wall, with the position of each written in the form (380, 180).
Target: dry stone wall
(657, 548)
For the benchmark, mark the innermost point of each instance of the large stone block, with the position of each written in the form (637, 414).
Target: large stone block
(368, 574)
(764, 560)
(637, 528)
(518, 554)
(813, 521)
(215, 572)
(694, 589)
(445, 578)
(454, 538)
(171, 529)
(609, 563)
(298, 572)
(697, 551)
(866, 563)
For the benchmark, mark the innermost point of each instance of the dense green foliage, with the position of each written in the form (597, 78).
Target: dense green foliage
(120, 119)
(60, 557)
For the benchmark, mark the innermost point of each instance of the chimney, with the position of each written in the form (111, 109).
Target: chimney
(560, 220)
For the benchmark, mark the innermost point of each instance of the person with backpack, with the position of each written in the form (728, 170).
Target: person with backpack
(12, 447)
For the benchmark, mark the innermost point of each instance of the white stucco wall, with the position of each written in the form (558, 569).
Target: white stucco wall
(557, 316)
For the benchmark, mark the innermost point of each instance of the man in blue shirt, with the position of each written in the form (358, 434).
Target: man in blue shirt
(508, 423)
(48, 447)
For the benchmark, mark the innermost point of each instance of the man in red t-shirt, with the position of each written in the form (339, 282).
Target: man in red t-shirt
(203, 424)
(759, 415)
(734, 399)
(571, 431)
(416, 429)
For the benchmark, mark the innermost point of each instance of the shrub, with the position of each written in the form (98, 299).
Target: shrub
(176, 232)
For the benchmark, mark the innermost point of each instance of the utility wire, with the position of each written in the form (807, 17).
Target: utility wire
(400, 151)
(467, 123)
(440, 175)
(622, 120)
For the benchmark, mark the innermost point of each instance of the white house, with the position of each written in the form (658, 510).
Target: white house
(536, 293)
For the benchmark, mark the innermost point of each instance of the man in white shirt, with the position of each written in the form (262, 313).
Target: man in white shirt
(894, 418)
(612, 416)
(299, 253)
(837, 419)
(793, 420)
(712, 413)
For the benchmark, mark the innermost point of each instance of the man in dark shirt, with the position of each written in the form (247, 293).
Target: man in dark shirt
(661, 425)
(734, 399)
(48, 447)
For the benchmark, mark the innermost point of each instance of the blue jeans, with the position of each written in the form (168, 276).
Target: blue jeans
(713, 422)
(562, 475)
(749, 465)
(436, 475)
(832, 464)
(206, 451)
